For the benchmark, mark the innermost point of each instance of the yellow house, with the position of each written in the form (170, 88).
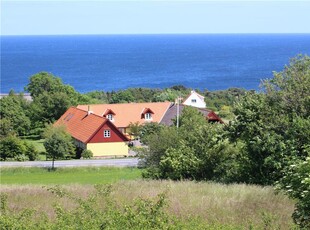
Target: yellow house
(94, 133)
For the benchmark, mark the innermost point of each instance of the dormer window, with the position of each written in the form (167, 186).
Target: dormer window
(148, 116)
(109, 114)
(194, 100)
(110, 117)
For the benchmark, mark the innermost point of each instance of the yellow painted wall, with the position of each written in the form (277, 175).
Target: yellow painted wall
(108, 149)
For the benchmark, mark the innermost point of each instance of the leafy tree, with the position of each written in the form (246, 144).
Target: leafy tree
(49, 107)
(51, 98)
(157, 144)
(46, 82)
(274, 125)
(148, 129)
(13, 112)
(134, 128)
(58, 143)
(196, 150)
(296, 183)
(122, 97)
(6, 127)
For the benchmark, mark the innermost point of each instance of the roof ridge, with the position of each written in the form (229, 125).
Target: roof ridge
(89, 114)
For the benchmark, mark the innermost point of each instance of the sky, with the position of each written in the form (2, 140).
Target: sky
(153, 17)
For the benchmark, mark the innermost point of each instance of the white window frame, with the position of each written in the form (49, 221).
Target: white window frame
(106, 133)
(194, 100)
(148, 116)
(110, 117)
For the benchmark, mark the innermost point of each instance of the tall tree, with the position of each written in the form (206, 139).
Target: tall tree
(13, 113)
(51, 97)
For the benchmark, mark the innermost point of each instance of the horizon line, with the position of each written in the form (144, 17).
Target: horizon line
(113, 34)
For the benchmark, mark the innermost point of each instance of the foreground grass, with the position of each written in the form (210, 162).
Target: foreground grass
(79, 175)
(196, 205)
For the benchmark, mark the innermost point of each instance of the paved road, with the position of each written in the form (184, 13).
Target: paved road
(123, 162)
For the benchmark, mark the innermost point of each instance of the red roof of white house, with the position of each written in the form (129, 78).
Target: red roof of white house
(81, 125)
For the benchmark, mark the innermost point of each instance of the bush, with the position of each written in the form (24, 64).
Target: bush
(21, 157)
(87, 154)
(296, 183)
(13, 148)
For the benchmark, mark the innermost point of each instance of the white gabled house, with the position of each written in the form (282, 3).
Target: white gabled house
(195, 100)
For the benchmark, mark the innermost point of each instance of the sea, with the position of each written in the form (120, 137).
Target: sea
(114, 62)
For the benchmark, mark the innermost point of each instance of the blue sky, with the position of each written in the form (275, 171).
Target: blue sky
(153, 17)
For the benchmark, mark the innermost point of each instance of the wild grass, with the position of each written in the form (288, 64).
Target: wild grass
(79, 175)
(235, 206)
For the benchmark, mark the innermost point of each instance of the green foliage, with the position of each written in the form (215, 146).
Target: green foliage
(134, 128)
(97, 211)
(145, 205)
(217, 99)
(87, 154)
(51, 98)
(149, 129)
(274, 126)
(58, 143)
(6, 127)
(13, 113)
(296, 183)
(13, 148)
(197, 150)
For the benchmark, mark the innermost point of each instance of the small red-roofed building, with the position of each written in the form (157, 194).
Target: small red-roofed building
(95, 133)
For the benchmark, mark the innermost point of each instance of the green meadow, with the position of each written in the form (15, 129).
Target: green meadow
(74, 175)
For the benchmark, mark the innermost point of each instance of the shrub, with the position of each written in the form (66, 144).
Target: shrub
(87, 154)
(296, 183)
(11, 147)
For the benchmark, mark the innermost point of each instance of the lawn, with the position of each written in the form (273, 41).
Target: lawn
(37, 142)
(76, 175)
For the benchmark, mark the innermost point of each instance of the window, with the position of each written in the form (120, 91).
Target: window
(110, 117)
(106, 133)
(148, 116)
(194, 100)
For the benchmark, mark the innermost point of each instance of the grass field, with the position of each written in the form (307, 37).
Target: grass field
(235, 206)
(78, 175)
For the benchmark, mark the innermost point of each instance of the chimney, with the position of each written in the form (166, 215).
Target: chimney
(89, 111)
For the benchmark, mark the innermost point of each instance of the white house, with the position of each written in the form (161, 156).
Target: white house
(195, 100)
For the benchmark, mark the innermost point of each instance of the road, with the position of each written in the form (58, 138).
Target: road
(123, 162)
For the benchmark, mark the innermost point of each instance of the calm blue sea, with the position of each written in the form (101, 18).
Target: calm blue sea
(112, 62)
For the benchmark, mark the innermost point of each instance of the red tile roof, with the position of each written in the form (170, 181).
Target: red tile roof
(80, 125)
(130, 112)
